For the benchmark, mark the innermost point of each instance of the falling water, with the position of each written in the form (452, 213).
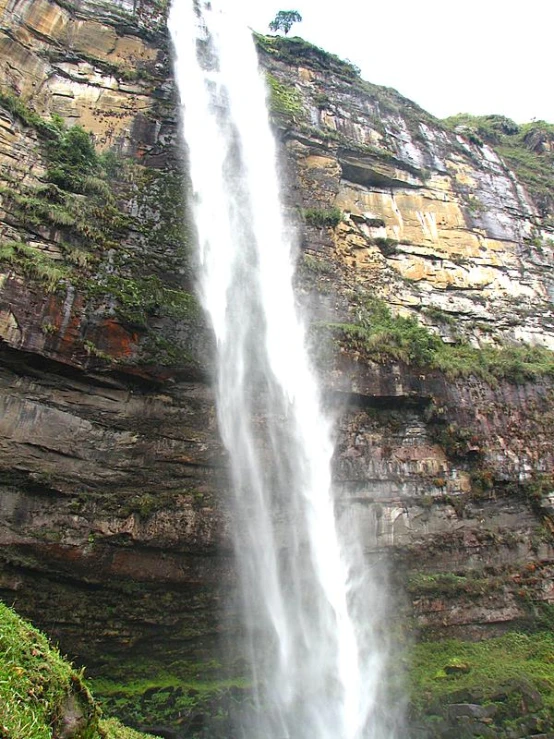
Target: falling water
(316, 671)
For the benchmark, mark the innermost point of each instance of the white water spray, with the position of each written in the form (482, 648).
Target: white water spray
(315, 668)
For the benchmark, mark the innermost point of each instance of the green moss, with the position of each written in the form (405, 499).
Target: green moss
(284, 99)
(495, 668)
(169, 698)
(447, 584)
(323, 218)
(164, 352)
(139, 298)
(381, 337)
(112, 728)
(159, 200)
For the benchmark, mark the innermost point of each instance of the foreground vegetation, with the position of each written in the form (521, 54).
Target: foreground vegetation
(380, 336)
(505, 683)
(41, 695)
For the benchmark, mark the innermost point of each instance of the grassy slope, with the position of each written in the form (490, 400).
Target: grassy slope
(511, 677)
(40, 692)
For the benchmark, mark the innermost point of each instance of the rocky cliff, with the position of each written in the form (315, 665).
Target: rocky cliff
(425, 260)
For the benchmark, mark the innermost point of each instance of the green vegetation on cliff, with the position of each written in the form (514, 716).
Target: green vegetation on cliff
(169, 699)
(75, 206)
(323, 218)
(28, 117)
(74, 162)
(41, 695)
(110, 228)
(285, 100)
(381, 336)
(296, 49)
(73, 169)
(34, 264)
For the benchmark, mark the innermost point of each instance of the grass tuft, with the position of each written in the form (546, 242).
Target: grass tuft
(323, 218)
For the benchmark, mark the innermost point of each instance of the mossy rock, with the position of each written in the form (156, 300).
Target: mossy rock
(41, 695)
(460, 688)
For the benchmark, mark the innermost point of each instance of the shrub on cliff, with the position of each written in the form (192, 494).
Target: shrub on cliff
(73, 160)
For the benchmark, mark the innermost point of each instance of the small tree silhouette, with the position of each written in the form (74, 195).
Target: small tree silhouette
(284, 21)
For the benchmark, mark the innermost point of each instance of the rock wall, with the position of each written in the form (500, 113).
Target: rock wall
(114, 526)
(432, 222)
(110, 454)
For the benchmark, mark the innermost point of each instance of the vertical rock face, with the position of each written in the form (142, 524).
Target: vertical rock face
(93, 230)
(95, 63)
(432, 221)
(109, 447)
(398, 210)
(113, 519)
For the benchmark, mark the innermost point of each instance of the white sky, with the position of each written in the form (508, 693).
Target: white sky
(474, 56)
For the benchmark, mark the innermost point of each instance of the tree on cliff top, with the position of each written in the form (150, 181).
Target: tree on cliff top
(284, 21)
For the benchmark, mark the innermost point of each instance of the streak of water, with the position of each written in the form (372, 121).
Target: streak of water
(315, 664)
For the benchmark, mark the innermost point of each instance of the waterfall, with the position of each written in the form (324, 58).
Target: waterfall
(311, 638)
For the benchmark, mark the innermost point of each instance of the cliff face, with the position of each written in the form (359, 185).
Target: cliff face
(114, 526)
(109, 444)
(434, 222)
(435, 225)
